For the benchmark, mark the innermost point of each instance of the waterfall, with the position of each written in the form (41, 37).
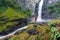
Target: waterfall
(40, 11)
(39, 18)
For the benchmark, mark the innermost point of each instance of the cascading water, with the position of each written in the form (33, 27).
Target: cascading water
(39, 18)
(40, 11)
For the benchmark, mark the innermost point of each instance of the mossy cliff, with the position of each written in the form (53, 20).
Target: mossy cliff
(12, 16)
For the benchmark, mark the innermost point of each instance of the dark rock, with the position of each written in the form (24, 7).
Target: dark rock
(32, 32)
(46, 12)
(6, 39)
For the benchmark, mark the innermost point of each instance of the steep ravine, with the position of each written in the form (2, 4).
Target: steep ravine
(30, 6)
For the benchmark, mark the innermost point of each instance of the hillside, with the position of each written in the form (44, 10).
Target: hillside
(39, 32)
(15, 14)
(11, 16)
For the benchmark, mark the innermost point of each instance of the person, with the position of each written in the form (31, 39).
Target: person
(35, 18)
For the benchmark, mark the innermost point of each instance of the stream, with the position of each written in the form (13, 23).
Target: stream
(6, 36)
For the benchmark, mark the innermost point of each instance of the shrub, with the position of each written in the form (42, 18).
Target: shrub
(54, 23)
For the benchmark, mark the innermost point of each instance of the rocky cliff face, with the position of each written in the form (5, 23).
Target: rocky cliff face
(27, 4)
(46, 14)
(33, 6)
(30, 4)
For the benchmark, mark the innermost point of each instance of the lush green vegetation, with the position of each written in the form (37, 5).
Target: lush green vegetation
(55, 8)
(38, 33)
(12, 13)
(9, 11)
(54, 29)
(48, 31)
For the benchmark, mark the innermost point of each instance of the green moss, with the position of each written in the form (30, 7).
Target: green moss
(39, 38)
(5, 26)
(43, 31)
(9, 14)
(15, 38)
(9, 11)
(41, 35)
(54, 23)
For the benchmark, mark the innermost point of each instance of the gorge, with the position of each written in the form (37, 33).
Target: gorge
(39, 19)
(39, 15)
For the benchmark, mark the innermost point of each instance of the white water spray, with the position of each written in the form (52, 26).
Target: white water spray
(39, 19)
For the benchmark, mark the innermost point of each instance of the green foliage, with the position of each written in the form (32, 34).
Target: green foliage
(39, 38)
(9, 14)
(53, 29)
(7, 3)
(41, 35)
(9, 10)
(45, 32)
(7, 6)
(5, 26)
(55, 8)
(58, 34)
(54, 23)
(21, 36)
(15, 38)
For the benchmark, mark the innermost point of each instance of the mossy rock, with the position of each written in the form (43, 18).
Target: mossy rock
(54, 23)
(43, 33)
